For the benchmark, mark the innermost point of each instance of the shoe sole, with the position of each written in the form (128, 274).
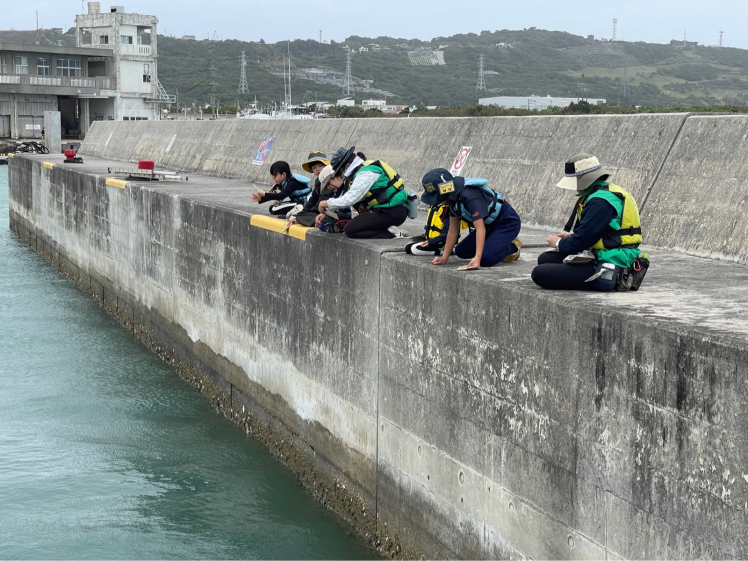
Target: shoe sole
(514, 256)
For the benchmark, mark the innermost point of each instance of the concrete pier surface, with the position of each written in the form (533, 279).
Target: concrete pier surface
(474, 414)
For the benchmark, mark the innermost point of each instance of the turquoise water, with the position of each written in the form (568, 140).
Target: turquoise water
(106, 454)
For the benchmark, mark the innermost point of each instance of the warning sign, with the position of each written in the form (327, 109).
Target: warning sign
(460, 160)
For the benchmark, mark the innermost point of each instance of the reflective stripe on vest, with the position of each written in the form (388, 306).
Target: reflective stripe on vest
(493, 209)
(382, 195)
(624, 231)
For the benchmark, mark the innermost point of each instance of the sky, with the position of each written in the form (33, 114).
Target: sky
(653, 21)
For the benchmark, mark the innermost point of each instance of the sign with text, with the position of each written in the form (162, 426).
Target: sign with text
(460, 160)
(264, 150)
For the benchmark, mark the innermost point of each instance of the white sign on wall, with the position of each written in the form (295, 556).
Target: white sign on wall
(30, 127)
(460, 160)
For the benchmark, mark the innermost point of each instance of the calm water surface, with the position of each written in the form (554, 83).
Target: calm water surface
(106, 454)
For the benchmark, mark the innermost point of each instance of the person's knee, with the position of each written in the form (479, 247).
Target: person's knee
(539, 276)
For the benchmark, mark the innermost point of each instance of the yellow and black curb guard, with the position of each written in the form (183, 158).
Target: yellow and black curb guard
(276, 225)
(119, 183)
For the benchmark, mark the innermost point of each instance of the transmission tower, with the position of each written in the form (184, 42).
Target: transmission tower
(615, 24)
(720, 37)
(347, 83)
(243, 86)
(481, 80)
(320, 35)
(287, 85)
(684, 38)
(213, 109)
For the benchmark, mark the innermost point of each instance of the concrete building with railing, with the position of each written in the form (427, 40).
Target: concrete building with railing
(110, 75)
(39, 78)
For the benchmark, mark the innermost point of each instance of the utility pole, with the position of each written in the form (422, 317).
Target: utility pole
(720, 37)
(481, 80)
(320, 35)
(625, 83)
(243, 86)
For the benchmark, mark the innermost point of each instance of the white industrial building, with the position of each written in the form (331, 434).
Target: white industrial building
(133, 40)
(533, 102)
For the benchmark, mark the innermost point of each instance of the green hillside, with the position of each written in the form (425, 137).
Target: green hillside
(534, 62)
(521, 62)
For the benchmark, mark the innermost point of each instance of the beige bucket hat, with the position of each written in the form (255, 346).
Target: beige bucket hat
(581, 171)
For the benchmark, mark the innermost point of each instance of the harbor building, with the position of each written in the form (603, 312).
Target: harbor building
(110, 75)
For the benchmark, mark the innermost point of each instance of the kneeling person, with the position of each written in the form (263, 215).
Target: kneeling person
(289, 190)
(607, 226)
(495, 223)
(374, 189)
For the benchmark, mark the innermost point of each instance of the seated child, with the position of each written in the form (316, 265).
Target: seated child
(305, 215)
(289, 190)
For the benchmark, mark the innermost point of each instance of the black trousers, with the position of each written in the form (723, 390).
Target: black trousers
(373, 224)
(553, 273)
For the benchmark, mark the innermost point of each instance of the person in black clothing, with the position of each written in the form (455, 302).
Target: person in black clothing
(599, 216)
(289, 190)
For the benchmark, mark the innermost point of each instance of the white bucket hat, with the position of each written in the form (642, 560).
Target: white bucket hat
(325, 176)
(581, 171)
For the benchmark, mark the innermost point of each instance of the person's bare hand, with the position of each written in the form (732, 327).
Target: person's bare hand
(318, 220)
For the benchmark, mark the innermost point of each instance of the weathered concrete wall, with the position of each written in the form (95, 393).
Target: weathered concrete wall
(700, 202)
(479, 415)
(519, 156)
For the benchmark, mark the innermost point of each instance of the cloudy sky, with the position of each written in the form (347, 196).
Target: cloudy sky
(656, 21)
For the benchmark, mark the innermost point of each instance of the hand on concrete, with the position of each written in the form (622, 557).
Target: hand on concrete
(323, 206)
(257, 196)
(440, 260)
(474, 264)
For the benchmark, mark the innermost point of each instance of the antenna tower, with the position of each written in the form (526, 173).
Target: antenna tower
(684, 38)
(320, 35)
(481, 80)
(347, 82)
(243, 86)
(720, 37)
(615, 24)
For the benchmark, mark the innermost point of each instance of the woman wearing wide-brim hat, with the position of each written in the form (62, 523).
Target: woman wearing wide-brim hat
(605, 241)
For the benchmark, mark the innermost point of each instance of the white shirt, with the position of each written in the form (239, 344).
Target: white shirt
(360, 186)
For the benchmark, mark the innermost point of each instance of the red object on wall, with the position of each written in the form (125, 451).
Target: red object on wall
(145, 164)
(70, 153)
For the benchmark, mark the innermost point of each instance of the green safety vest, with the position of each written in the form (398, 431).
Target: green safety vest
(620, 242)
(387, 191)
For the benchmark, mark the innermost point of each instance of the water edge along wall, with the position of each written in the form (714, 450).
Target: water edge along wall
(475, 415)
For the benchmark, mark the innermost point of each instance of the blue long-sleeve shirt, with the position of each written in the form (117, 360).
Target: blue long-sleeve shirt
(596, 216)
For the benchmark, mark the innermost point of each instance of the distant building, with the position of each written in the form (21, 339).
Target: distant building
(532, 102)
(138, 94)
(188, 37)
(590, 37)
(373, 103)
(363, 49)
(347, 101)
(39, 78)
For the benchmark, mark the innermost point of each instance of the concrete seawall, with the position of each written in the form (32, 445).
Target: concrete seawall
(474, 415)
